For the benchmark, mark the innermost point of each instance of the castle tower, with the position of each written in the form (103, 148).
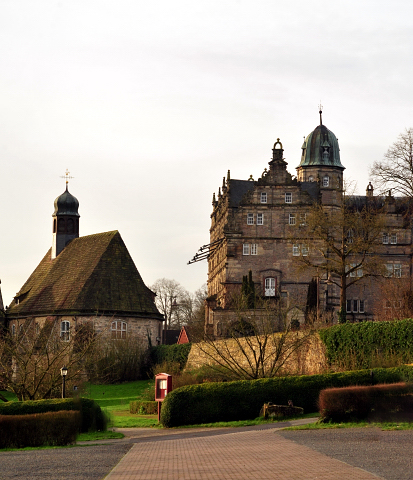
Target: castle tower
(65, 221)
(320, 162)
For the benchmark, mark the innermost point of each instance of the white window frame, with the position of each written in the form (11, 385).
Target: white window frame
(355, 306)
(263, 198)
(326, 181)
(269, 287)
(303, 219)
(304, 250)
(361, 306)
(288, 197)
(296, 250)
(254, 249)
(291, 219)
(393, 239)
(385, 238)
(65, 330)
(250, 219)
(245, 248)
(260, 219)
(397, 270)
(116, 332)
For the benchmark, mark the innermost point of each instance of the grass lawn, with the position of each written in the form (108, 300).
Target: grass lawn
(382, 426)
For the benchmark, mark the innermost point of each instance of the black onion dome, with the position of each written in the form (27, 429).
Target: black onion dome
(66, 204)
(321, 148)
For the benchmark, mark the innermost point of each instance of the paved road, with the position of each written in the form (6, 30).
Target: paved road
(261, 453)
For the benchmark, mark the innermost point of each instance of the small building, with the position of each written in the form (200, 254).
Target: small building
(86, 279)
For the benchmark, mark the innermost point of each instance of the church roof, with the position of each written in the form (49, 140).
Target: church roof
(92, 274)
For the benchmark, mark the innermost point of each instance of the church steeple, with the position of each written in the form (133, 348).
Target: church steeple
(65, 220)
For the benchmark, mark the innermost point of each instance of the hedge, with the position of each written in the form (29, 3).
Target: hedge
(170, 353)
(242, 400)
(35, 430)
(143, 407)
(391, 402)
(357, 345)
(93, 419)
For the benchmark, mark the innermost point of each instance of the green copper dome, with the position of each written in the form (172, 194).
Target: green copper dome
(321, 148)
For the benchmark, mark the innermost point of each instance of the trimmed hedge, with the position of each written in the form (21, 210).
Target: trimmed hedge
(357, 345)
(36, 430)
(143, 408)
(242, 400)
(391, 402)
(170, 353)
(93, 419)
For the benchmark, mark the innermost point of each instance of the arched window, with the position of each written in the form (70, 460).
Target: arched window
(119, 330)
(61, 225)
(65, 330)
(70, 225)
(269, 287)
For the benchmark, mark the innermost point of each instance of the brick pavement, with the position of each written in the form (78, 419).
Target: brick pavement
(258, 455)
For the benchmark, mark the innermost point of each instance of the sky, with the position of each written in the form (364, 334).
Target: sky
(148, 104)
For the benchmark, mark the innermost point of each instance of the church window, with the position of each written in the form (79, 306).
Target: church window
(254, 248)
(119, 330)
(288, 198)
(296, 250)
(61, 225)
(291, 219)
(326, 181)
(246, 249)
(70, 225)
(269, 287)
(65, 330)
(260, 219)
(250, 219)
(263, 197)
(385, 238)
(393, 238)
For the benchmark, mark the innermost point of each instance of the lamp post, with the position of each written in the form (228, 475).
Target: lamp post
(63, 373)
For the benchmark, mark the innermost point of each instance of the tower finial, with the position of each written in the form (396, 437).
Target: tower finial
(67, 177)
(321, 113)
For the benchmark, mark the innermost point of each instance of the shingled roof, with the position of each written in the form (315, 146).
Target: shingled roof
(92, 274)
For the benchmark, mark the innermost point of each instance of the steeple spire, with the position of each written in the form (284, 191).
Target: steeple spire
(321, 113)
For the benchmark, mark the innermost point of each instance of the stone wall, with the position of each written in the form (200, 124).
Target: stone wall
(308, 359)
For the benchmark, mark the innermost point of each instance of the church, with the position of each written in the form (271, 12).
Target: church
(253, 230)
(86, 279)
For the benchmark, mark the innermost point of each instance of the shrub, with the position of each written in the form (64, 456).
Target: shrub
(143, 408)
(379, 402)
(35, 430)
(170, 353)
(92, 417)
(369, 344)
(242, 400)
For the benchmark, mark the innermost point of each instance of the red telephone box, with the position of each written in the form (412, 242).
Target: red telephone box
(163, 385)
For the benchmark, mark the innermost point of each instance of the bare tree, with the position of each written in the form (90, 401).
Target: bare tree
(259, 342)
(31, 358)
(395, 171)
(393, 299)
(339, 244)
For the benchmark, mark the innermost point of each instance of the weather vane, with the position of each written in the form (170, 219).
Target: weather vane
(67, 177)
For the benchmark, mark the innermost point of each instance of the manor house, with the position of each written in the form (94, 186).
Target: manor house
(252, 225)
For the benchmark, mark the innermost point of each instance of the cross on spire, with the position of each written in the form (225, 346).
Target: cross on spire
(67, 177)
(321, 113)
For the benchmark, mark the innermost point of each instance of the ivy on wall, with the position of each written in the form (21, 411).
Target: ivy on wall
(367, 344)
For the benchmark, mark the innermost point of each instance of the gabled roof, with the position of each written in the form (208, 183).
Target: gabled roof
(92, 274)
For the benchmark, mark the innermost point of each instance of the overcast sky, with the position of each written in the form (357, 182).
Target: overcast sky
(148, 104)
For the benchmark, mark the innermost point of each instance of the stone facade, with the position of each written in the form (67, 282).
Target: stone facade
(251, 230)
